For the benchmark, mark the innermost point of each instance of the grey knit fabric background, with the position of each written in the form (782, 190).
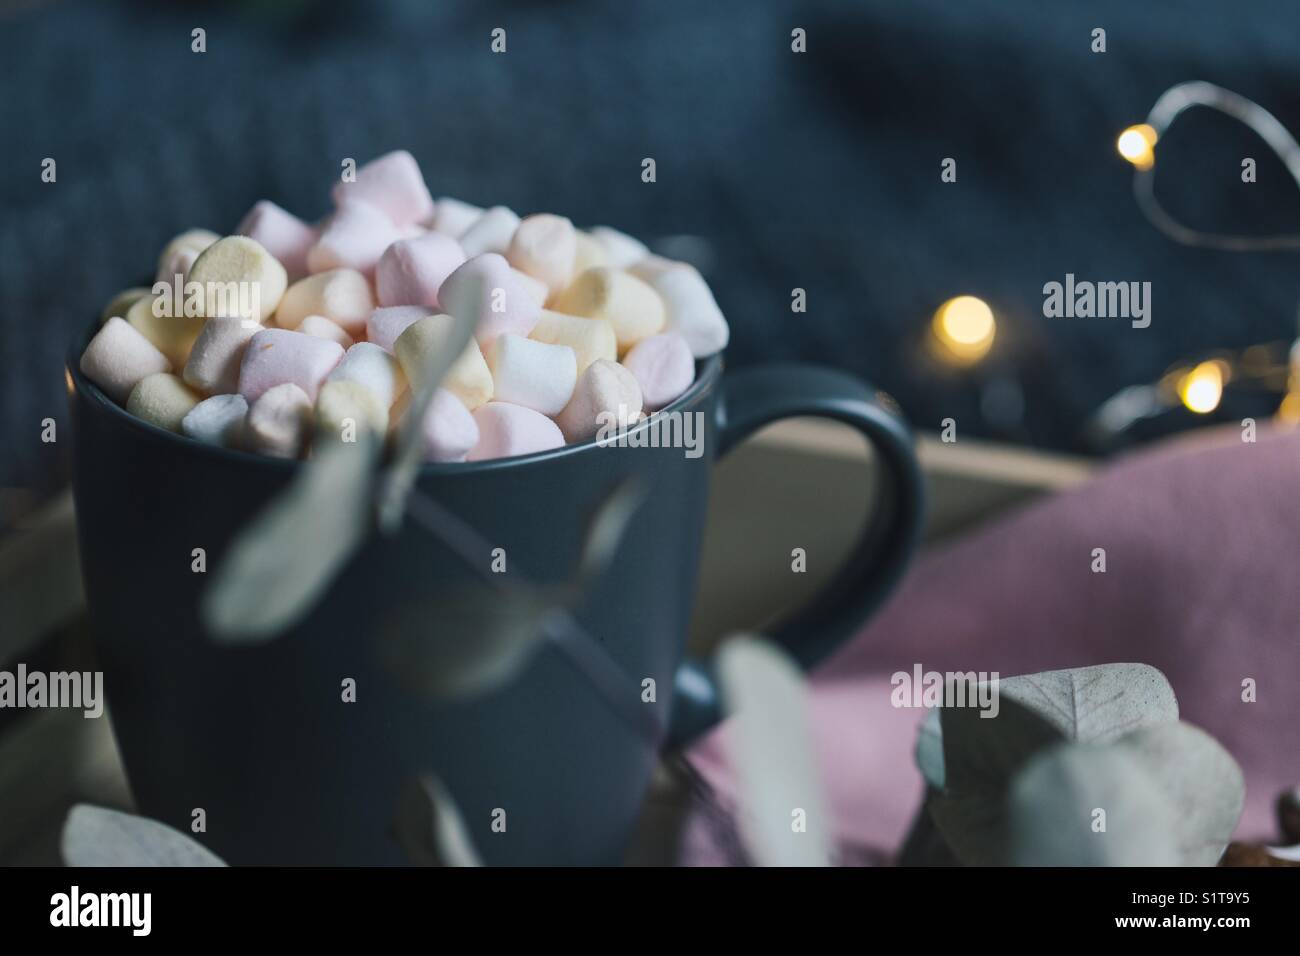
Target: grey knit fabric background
(819, 171)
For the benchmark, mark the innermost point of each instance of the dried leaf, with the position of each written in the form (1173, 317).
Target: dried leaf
(464, 642)
(783, 813)
(284, 560)
(408, 450)
(429, 826)
(1089, 805)
(95, 836)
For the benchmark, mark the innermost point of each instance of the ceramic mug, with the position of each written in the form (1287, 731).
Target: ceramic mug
(289, 772)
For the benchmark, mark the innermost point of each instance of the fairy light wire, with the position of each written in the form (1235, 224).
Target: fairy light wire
(1171, 104)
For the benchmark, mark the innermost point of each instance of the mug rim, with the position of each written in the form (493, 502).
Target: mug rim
(708, 370)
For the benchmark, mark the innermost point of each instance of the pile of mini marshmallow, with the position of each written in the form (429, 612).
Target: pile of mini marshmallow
(575, 328)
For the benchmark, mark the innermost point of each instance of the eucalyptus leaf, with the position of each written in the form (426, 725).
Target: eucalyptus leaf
(429, 827)
(981, 755)
(96, 836)
(408, 450)
(1201, 783)
(607, 525)
(464, 642)
(1089, 805)
(764, 691)
(929, 749)
(1085, 704)
(280, 564)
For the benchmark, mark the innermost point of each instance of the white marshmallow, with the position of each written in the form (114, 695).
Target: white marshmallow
(118, 357)
(449, 429)
(240, 278)
(537, 290)
(491, 232)
(340, 295)
(452, 217)
(533, 374)
(370, 366)
(590, 339)
(691, 310)
(386, 324)
(544, 247)
(218, 420)
(213, 365)
(621, 250)
(506, 430)
(504, 304)
(279, 422)
(469, 377)
(323, 328)
(607, 393)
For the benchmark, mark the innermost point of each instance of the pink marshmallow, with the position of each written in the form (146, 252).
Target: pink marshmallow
(355, 237)
(507, 430)
(450, 431)
(277, 356)
(385, 325)
(506, 305)
(118, 357)
(411, 271)
(282, 234)
(394, 184)
(663, 366)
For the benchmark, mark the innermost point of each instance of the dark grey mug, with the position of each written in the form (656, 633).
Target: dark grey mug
(288, 772)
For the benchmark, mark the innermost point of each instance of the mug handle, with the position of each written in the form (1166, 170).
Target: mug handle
(752, 398)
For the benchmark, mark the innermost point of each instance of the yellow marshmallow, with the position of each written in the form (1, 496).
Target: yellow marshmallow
(469, 377)
(173, 335)
(239, 278)
(590, 339)
(632, 307)
(162, 399)
(343, 409)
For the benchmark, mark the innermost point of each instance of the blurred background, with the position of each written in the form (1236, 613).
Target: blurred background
(775, 171)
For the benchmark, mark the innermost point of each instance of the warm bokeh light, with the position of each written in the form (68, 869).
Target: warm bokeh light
(1288, 413)
(1137, 145)
(1201, 389)
(963, 329)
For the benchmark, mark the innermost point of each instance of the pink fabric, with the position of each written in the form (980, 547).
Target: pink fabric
(1202, 540)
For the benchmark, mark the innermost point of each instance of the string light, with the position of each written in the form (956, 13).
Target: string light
(1137, 144)
(963, 329)
(1201, 389)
